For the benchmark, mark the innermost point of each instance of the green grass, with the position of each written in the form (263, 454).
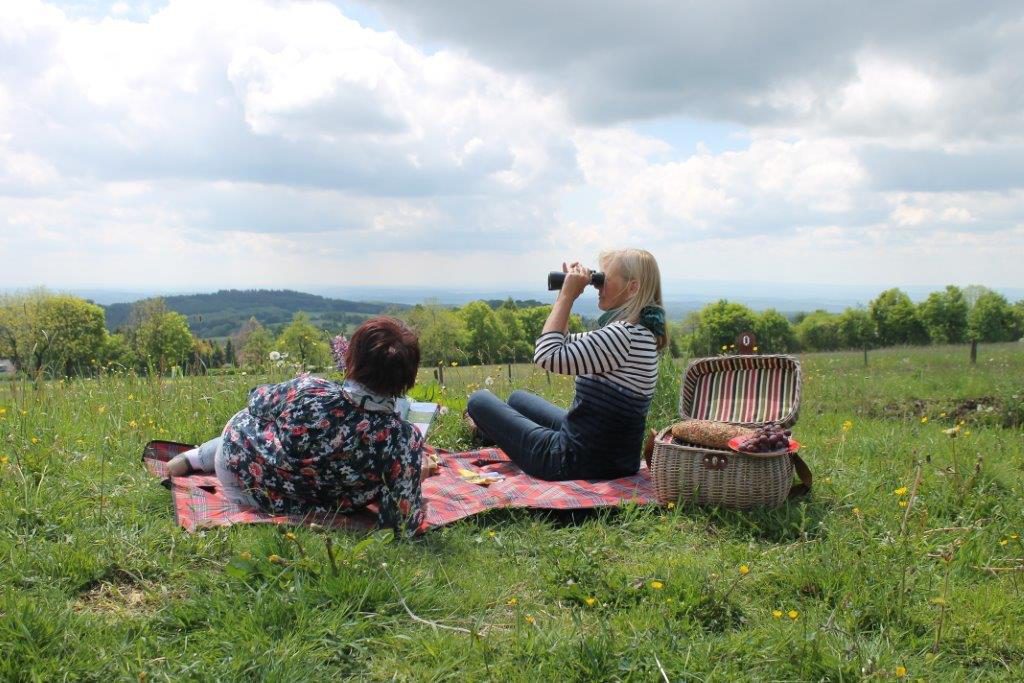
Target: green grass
(96, 582)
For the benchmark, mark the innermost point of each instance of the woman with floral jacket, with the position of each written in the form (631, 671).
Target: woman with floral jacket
(311, 445)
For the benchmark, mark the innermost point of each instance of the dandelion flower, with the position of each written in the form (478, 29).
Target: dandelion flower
(3, 411)
(856, 511)
(1014, 536)
(924, 420)
(530, 620)
(133, 424)
(290, 536)
(512, 602)
(776, 614)
(35, 440)
(4, 460)
(847, 425)
(491, 534)
(670, 505)
(903, 503)
(455, 363)
(657, 585)
(276, 559)
(792, 614)
(901, 491)
(744, 570)
(952, 432)
(942, 415)
(101, 409)
(245, 555)
(590, 601)
(901, 671)
(1003, 542)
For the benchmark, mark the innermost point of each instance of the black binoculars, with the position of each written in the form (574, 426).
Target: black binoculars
(556, 279)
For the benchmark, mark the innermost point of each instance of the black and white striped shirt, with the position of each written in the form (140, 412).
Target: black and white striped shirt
(616, 369)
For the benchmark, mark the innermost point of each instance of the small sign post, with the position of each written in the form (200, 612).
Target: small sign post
(746, 343)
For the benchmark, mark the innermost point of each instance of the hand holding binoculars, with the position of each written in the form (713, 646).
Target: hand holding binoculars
(556, 279)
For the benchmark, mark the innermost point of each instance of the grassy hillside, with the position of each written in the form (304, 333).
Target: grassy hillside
(905, 561)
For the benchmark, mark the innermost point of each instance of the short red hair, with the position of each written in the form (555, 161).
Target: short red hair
(383, 355)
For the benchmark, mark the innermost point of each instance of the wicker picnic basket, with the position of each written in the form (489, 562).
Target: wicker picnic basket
(742, 390)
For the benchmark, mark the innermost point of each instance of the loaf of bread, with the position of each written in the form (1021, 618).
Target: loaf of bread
(708, 433)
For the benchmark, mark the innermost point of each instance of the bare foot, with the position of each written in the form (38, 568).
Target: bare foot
(179, 466)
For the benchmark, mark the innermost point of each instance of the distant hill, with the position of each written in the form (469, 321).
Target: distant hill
(222, 313)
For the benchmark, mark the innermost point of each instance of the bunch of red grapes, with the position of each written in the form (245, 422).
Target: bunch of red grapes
(768, 438)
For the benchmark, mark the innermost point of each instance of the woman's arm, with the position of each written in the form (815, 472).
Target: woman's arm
(591, 353)
(401, 505)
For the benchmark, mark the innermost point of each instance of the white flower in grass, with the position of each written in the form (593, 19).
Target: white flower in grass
(489, 381)
(275, 356)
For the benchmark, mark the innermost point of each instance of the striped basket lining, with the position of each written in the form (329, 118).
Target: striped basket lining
(742, 389)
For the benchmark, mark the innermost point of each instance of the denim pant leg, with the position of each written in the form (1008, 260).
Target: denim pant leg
(537, 409)
(538, 450)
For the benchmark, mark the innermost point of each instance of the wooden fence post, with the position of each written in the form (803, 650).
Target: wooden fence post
(440, 372)
(510, 373)
(865, 356)
(974, 351)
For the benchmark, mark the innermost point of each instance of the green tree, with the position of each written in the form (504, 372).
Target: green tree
(304, 342)
(117, 354)
(258, 345)
(992, 319)
(53, 334)
(714, 327)
(162, 339)
(514, 345)
(896, 319)
(442, 333)
(857, 329)
(483, 339)
(774, 333)
(944, 316)
(229, 354)
(820, 331)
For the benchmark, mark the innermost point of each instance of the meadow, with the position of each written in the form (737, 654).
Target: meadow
(905, 562)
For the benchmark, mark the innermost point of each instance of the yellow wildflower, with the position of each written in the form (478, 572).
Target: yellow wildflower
(755, 348)
(901, 491)
(952, 431)
(901, 671)
(724, 347)
(590, 602)
(4, 460)
(1003, 542)
(1014, 536)
(828, 480)
(290, 536)
(101, 410)
(455, 363)
(856, 511)
(671, 505)
(133, 424)
(792, 614)
(657, 585)
(847, 425)
(903, 503)
(967, 433)
(3, 411)
(512, 602)
(491, 534)
(744, 570)
(776, 614)
(924, 420)
(245, 555)
(529, 619)
(942, 415)
(276, 559)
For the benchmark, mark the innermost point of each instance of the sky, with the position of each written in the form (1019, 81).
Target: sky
(189, 145)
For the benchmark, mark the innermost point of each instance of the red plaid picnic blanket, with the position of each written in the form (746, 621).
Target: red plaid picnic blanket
(199, 501)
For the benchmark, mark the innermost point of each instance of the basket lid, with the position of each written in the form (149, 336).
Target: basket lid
(747, 390)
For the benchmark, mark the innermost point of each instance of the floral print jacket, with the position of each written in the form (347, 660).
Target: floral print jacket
(303, 446)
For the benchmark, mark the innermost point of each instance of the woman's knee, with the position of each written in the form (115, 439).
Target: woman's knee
(518, 397)
(478, 398)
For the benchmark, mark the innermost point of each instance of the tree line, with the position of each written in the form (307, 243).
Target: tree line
(950, 316)
(52, 335)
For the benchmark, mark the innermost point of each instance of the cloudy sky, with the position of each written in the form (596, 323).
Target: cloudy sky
(187, 145)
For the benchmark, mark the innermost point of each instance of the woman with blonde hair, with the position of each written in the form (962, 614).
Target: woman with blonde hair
(616, 369)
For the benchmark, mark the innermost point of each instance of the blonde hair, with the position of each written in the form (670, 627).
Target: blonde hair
(639, 265)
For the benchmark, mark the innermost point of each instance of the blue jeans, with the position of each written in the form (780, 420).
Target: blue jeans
(528, 429)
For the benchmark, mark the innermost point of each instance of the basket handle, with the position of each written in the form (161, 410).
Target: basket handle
(649, 447)
(806, 478)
